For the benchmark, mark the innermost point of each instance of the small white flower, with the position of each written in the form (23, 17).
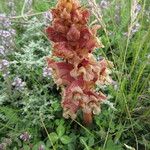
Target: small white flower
(5, 33)
(47, 72)
(18, 83)
(4, 63)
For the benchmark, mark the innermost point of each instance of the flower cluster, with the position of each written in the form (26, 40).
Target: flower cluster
(4, 65)
(47, 72)
(135, 26)
(77, 72)
(5, 143)
(6, 43)
(18, 83)
(25, 136)
(135, 10)
(6, 35)
(104, 4)
(47, 18)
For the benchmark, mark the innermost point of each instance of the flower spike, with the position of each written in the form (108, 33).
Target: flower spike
(78, 72)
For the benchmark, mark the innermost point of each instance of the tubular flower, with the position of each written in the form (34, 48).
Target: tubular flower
(78, 72)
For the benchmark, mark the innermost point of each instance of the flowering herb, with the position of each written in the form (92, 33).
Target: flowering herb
(47, 72)
(18, 83)
(7, 34)
(4, 65)
(47, 17)
(25, 136)
(79, 72)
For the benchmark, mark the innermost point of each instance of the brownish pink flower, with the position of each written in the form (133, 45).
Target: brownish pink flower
(78, 72)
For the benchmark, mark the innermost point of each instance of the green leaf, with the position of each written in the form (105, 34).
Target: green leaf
(83, 141)
(91, 141)
(54, 137)
(112, 146)
(65, 139)
(48, 143)
(26, 147)
(13, 118)
(60, 130)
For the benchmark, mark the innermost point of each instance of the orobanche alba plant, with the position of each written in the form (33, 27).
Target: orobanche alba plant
(76, 71)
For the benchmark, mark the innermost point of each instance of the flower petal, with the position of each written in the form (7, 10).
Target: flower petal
(73, 34)
(55, 36)
(59, 26)
(62, 50)
(62, 72)
(85, 16)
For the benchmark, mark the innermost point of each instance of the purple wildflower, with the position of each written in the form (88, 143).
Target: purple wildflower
(135, 28)
(25, 136)
(135, 10)
(5, 34)
(138, 8)
(4, 21)
(104, 4)
(47, 72)
(4, 64)
(2, 146)
(48, 17)
(18, 83)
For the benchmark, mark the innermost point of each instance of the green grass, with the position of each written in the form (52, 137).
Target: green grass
(111, 130)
